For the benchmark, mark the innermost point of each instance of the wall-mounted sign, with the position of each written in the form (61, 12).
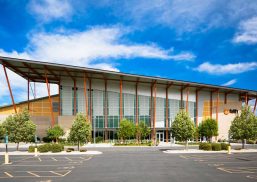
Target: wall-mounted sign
(232, 111)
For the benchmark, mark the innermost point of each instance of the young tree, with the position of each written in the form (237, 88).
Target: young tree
(142, 130)
(55, 133)
(2, 131)
(20, 128)
(183, 128)
(208, 128)
(244, 126)
(80, 130)
(127, 130)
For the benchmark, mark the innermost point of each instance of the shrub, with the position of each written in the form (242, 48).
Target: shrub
(250, 142)
(224, 146)
(57, 148)
(82, 150)
(71, 149)
(216, 146)
(31, 149)
(44, 148)
(205, 146)
(99, 139)
(46, 139)
(68, 150)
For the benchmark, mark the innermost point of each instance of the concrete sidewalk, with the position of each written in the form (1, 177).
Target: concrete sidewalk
(196, 151)
(90, 152)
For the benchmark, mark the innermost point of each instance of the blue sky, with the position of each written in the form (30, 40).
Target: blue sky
(202, 41)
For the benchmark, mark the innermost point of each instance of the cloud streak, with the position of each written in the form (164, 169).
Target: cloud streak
(49, 10)
(219, 69)
(247, 32)
(230, 82)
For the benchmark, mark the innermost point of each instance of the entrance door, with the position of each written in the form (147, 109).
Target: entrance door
(160, 136)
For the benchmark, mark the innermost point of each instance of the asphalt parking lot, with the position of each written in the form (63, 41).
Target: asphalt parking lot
(132, 164)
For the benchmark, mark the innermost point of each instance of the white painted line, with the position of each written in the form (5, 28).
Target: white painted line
(68, 158)
(33, 174)
(66, 173)
(54, 158)
(8, 174)
(56, 173)
(39, 159)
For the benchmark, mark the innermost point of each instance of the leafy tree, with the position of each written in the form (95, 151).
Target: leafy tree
(2, 131)
(55, 133)
(127, 130)
(183, 128)
(80, 130)
(19, 127)
(244, 126)
(142, 130)
(208, 128)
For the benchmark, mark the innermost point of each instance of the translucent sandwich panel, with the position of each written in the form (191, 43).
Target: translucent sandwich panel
(144, 109)
(129, 106)
(113, 109)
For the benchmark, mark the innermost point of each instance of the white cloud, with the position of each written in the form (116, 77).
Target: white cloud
(247, 32)
(95, 48)
(184, 16)
(230, 82)
(218, 69)
(47, 10)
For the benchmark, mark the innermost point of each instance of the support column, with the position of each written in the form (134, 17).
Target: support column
(105, 111)
(121, 103)
(59, 99)
(75, 97)
(10, 90)
(254, 109)
(85, 95)
(151, 109)
(187, 99)
(225, 99)
(211, 105)
(181, 99)
(91, 99)
(50, 100)
(246, 99)
(167, 114)
(136, 103)
(154, 113)
(217, 106)
(196, 110)
(28, 94)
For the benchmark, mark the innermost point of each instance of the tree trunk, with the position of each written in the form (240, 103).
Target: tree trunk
(243, 144)
(17, 147)
(186, 144)
(78, 145)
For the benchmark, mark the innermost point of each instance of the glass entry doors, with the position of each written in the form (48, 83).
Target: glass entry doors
(160, 136)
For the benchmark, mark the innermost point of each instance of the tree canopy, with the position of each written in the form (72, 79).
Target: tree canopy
(244, 126)
(127, 130)
(20, 128)
(142, 130)
(81, 130)
(55, 133)
(208, 128)
(183, 128)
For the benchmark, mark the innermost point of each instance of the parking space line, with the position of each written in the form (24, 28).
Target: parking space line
(8, 174)
(39, 159)
(54, 158)
(33, 174)
(68, 158)
(56, 173)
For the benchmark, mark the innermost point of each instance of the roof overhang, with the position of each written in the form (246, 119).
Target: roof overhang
(37, 70)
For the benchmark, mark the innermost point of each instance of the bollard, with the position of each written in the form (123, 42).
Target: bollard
(229, 149)
(6, 158)
(35, 150)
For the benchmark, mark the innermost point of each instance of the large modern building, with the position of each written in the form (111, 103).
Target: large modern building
(107, 97)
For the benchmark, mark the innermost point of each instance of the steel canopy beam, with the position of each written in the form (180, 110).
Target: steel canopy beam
(10, 89)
